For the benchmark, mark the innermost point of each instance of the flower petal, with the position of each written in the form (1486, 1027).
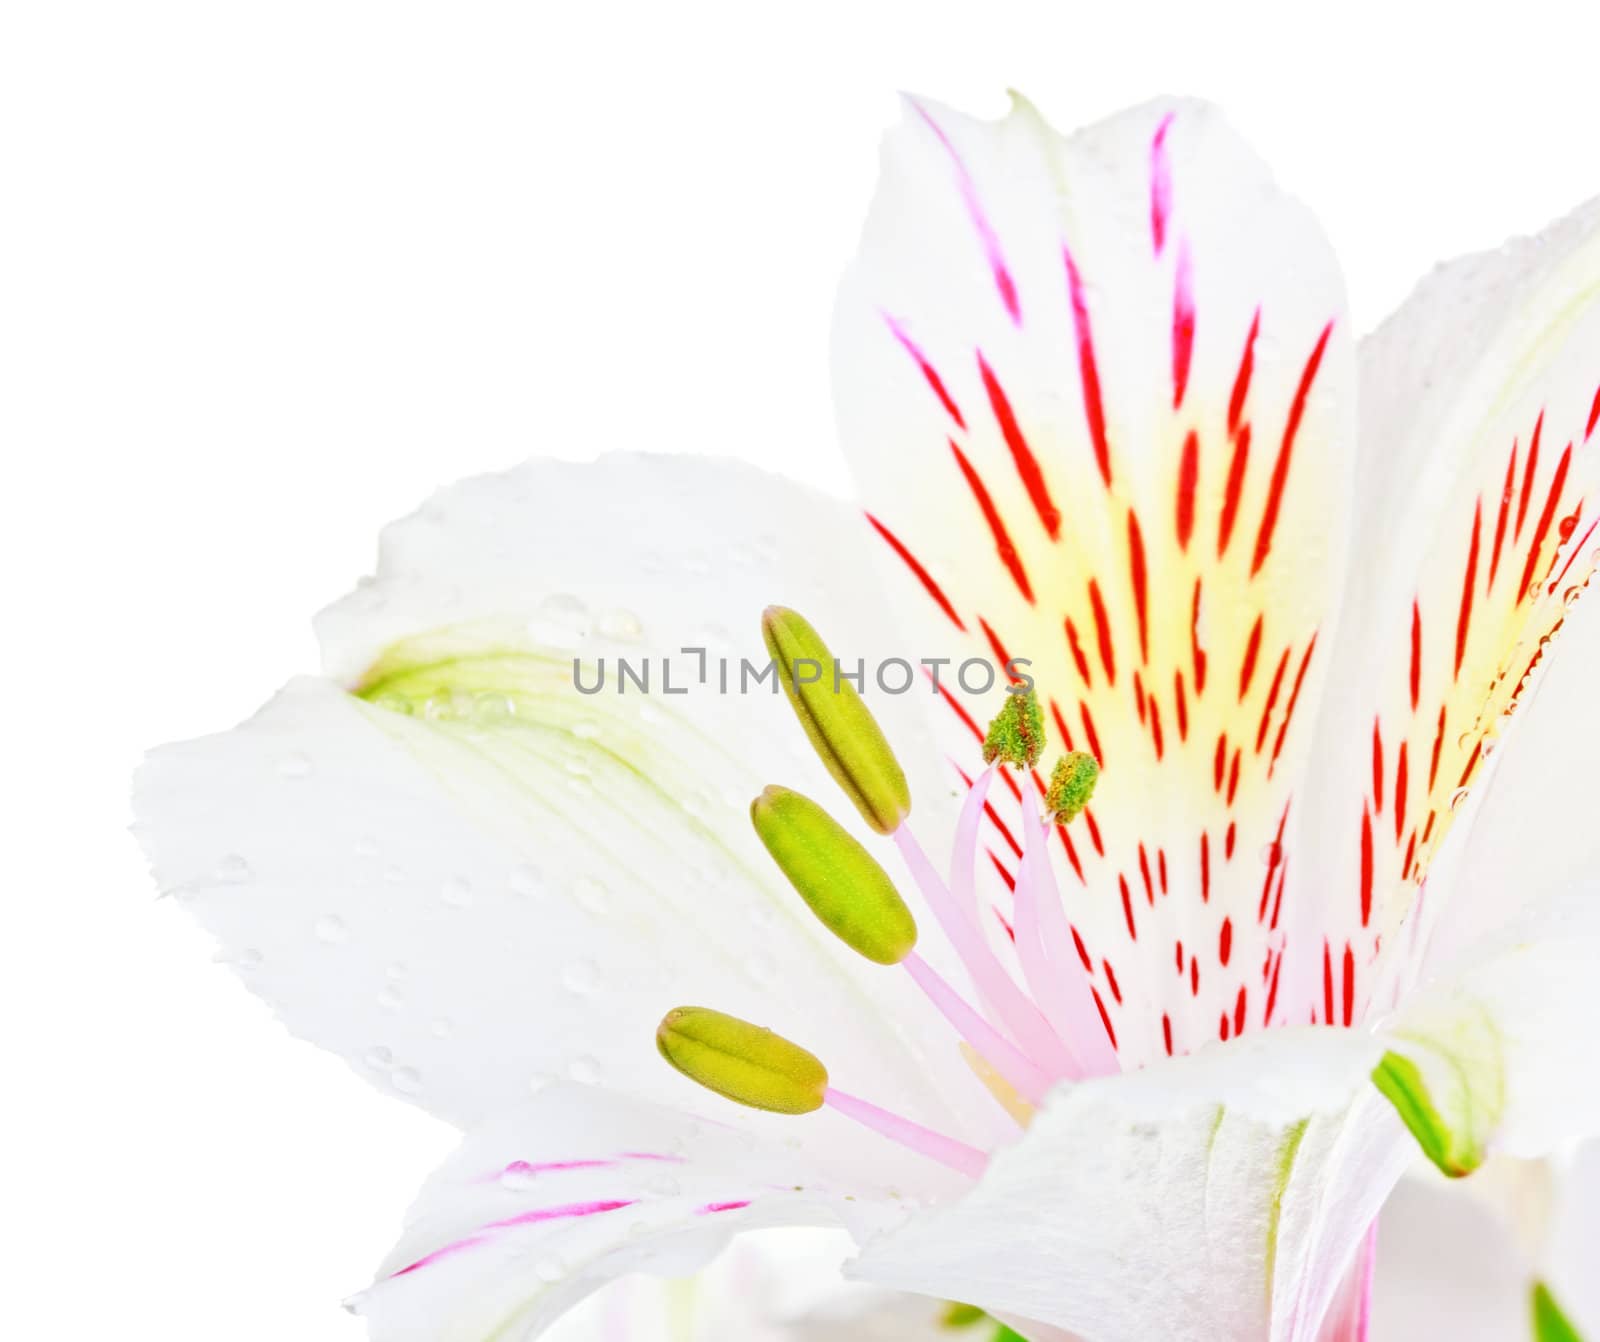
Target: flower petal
(1098, 393)
(467, 876)
(543, 1205)
(1479, 465)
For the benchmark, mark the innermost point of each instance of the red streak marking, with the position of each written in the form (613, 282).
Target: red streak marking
(1177, 955)
(1138, 695)
(1594, 415)
(1366, 866)
(1225, 942)
(1166, 1031)
(1401, 771)
(1272, 699)
(1241, 389)
(1377, 767)
(1194, 977)
(1277, 899)
(1294, 698)
(1528, 470)
(1235, 490)
(1079, 660)
(1238, 1012)
(1104, 1018)
(1005, 872)
(1233, 778)
(995, 645)
(1160, 184)
(1545, 518)
(1083, 951)
(1438, 743)
(1182, 323)
(1349, 984)
(1111, 981)
(921, 574)
(1274, 859)
(980, 222)
(1027, 464)
(1127, 908)
(1011, 932)
(1219, 762)
(928, 372)
(1280, 469)
(1102, 628)
(1228, 840)
(713, 1207)
(1156, 737)
(1144, 871)
(1188, 482)
(1411, 852)
(1205, 867)
(1505, 511)
(1327, 984)
(1161, 868)
(1194, 641)
(1472, 763)
(1272, 991)
(1140, 579)
(1223, 1028)
(1181, 699)
(1061, 724)
(1094, 831)
(1247, 669)
(1469, 584)
(997, 527)
(1427, 829)
(1072, 853)
(1088, 371)
(1089, 731)
(1416, 654)
(1576, 551)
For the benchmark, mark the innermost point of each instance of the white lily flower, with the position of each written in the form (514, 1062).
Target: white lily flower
(1101, 394)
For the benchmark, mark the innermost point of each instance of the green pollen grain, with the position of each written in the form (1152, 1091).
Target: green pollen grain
(1016, 736)
(1071, 785)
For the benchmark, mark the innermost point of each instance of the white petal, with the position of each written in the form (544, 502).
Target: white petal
(1479, 467)
(484, 878)
(580, 1186)
(1098, 391)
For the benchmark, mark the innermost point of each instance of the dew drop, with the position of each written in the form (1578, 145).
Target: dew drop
(525, 880)
(249, 958)
(332, 929)
(456, 892)
(1457, 797)
(441, 1028)
(518, 1177)
(586, 730)
(590, 894)
(233, 870)
(1271, 853)
(395, 972)
(295, 766)
(585, 1070)
(1567, 526)
(407, 1080)
(366, 846)
(378, 1058)
(580, 978)
(1571, 595)
(620, 625)
(390, 1000)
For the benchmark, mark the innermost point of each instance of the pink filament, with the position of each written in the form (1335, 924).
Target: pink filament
(1022, 1019)
(1022, 1074)
(964, 853)
(958, 1156)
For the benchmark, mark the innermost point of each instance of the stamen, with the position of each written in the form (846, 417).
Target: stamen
(742, 1062)
(958, 1156)
(841, 728)
(1023, 1020)
(1071, 785)
(1016, 735)
(964, 852)
(1020, 1073)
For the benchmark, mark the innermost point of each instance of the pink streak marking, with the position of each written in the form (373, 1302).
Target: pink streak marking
(484, 1234)
(1182, 323)
(1160, 184)
(712, 1207)
(929, 372)
(980, 221)
(913, 1136)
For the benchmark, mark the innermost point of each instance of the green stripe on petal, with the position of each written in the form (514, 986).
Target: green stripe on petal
(1549, 1323)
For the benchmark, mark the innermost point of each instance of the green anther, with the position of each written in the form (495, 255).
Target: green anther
(842, 729)
(1016, 736)
(742, 1062)
(842, 882)
(1071, 785)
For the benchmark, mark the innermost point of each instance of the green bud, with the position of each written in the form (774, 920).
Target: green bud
(1071, 785)
(742, 1062)
(842, 729)
(835, 875)
(1016, 736)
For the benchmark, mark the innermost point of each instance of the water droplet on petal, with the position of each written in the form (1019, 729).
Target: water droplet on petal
(548, 1270)
(585, 1071)
(1571, 595)
(621, 625)
(332, 930)
(525, 880)
(390, 1000)
(407, 1080)
(295, 766)
(456, 892)
(366, 846)
(518, 1177)
(378, 1058)
(1457, 797)
(441, 1028)
(249, 958)
(1271, 853)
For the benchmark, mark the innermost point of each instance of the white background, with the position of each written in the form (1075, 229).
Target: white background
(273, 271)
